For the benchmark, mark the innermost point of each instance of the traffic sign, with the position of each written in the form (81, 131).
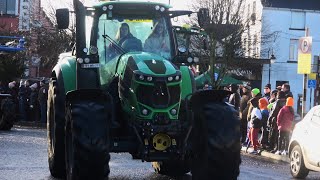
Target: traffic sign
(312, 83)
(304, 55)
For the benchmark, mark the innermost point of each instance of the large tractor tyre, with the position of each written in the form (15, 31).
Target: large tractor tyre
(87, 139)
(297, 166)
(55, 127)
(174, 168)
(215, 141)
(7, 115)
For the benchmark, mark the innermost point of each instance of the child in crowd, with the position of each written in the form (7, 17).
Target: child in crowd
(255, 121)
(284, 122)
(263, 103)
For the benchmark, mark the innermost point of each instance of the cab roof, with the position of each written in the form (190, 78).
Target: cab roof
(147, 3)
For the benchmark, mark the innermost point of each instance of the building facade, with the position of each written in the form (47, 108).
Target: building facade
(290, 19)
(9, 15)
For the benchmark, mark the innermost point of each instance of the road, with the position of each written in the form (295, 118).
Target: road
(23, 156)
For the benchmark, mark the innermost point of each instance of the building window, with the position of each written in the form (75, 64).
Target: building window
(293, 50)
(298, 19)
(254, 7)
(7, 6)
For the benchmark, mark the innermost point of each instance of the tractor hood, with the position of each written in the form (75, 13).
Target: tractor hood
(150, 64)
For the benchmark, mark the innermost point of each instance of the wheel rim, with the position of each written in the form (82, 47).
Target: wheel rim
(295, 161)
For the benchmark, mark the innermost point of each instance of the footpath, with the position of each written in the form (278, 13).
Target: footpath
(266, 155)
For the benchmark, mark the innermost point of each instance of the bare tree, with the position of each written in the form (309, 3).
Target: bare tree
(50, 41)
(226, 26)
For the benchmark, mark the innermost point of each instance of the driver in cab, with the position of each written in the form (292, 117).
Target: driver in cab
(126, 40)
(158, 40)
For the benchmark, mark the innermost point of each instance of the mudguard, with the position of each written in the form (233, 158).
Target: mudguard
(88, 94)
(66, 68)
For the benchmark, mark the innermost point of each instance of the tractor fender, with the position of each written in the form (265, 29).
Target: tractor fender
(188, 83)
(66, 68)
(92, 95)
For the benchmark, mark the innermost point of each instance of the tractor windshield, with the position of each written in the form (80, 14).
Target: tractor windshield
(132, 35)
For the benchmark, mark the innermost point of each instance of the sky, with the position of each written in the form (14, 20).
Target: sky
(177, 4)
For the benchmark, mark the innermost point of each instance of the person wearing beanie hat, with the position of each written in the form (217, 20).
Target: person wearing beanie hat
(255, 92)
(263, 105)
(252, 103)
(33, 103)
(284, 122)
(272, 120)
(34, 86)
(267, 91)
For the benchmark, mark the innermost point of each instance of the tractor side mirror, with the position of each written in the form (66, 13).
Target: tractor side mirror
(203, 17)
(62, 16)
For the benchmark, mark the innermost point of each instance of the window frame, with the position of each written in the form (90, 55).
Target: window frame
(9, 10)
(294, 18)
(293, 44)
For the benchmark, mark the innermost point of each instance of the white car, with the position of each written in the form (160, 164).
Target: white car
(304, 146)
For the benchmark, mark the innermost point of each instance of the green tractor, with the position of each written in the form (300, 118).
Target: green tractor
(126, 87)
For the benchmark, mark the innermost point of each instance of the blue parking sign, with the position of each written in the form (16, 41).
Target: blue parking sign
(312, 83)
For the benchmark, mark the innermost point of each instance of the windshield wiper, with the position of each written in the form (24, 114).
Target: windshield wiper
(117, 46)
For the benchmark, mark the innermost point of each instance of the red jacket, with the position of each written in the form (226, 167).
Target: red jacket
(284, 119)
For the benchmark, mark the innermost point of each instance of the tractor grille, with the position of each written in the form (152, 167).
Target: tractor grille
(158, 96)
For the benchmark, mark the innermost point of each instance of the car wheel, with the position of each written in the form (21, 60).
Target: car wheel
(297, 166)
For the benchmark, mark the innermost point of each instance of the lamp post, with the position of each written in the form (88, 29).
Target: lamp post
(272, 60)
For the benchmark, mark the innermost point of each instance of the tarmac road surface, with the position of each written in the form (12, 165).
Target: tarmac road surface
(23, 156)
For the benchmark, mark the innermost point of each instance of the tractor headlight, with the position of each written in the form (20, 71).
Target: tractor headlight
(170, 78)
(93, 50)
(145, 112)
(157, 7)
(196, 59)
(189, 59)
(104, 8)
(162, 9)
(141, 77)
(173, 111)
(110, 7)
(149, 78)
(80, 60)
(177, 78)
(86, 60)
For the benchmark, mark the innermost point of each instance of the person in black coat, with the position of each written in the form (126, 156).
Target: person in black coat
(42, 98)
(272, 120)
(243, 111)
(33, 103)
(234, 98)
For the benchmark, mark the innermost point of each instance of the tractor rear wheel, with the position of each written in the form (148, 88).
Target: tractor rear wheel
(87, 139)
(215, 142)
(172, 168)
(55, 127)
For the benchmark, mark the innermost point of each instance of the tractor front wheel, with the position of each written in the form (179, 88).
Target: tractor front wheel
(216, 143)
(55, 127)
(87, 139)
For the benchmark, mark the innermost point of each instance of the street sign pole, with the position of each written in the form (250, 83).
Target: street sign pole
(304, 95)
(304, 49)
